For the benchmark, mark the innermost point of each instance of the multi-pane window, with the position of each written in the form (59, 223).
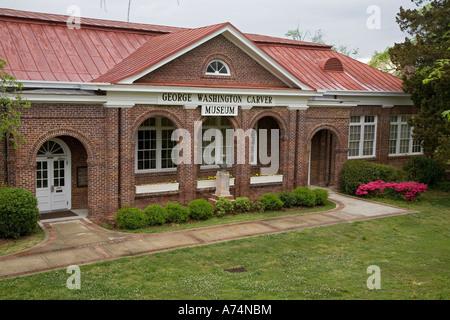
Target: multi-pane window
(154, 145)
(213, 150)
(400, 137)
(362, 136)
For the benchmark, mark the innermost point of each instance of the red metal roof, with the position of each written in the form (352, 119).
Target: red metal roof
(39, 46)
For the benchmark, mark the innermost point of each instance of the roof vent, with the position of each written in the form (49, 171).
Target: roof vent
(331, 64)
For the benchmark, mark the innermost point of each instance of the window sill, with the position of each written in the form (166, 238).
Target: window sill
(157, 188)
(266, 179)
(405, 154)
(156, 171)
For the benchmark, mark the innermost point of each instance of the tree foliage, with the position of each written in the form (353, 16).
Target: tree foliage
(319, 37)
(10, 102)
(424, 60)
(382, 61)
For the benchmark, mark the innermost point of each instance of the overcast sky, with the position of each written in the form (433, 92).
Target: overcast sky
(342, 22)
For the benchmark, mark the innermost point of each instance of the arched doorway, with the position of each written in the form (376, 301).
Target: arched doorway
(53, 176)
(322, 162)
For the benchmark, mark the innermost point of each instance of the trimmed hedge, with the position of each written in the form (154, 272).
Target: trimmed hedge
(424, 170)
(131, 218)
(271, 201)
(200, 209)
(304, 196)
(177, 213)
(357, 172)
(288, 199)
(156, 214)
(223, 207)
(321, 196)
(19, 213)
(242, 204)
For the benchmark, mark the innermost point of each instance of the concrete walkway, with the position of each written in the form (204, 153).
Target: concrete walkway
(79, 241)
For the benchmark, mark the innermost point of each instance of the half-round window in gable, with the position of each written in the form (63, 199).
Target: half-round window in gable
(217, 67)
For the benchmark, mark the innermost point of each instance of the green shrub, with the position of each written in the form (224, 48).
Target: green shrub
(131, 218)
(242, 204)
(177, 213)
(18, 212)
(258, 206)
(200, 209)
(304, 196)
(288, 199)
(321, 196)
(156, 214)
(443, 186)
(271, 201)
(224, 206)
(424, 170)
(357, 172)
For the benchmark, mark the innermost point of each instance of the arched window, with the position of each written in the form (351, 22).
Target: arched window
(218, 67)
(50, 148)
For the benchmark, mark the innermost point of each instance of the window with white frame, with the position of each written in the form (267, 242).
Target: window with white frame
(400, 137)
(218, 67)
(154, 145)
(362, 136)
(210, 145)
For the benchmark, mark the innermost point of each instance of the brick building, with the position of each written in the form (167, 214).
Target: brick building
(106, 98)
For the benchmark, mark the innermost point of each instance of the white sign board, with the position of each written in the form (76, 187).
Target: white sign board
(213, 110)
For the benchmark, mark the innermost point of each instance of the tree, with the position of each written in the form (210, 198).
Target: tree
(424, 60)
(11, 102)
(382, 61)
(319, 37)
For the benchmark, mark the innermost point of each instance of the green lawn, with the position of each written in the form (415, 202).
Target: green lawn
(412, 251)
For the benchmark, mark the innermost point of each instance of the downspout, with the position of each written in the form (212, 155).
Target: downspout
(119, 165)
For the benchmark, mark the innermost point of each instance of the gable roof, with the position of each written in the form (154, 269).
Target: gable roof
(40, 47)
(162, 49)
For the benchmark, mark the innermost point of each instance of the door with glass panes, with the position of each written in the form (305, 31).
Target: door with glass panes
(53, 177)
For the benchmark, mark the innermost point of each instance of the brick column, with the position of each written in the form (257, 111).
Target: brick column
(126, 175)
(287, 154)
(384, 126)
(187, 172)
(112, 159)
(302, 156)
(242, 171)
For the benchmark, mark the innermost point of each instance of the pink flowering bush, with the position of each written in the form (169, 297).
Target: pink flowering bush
(408, 191)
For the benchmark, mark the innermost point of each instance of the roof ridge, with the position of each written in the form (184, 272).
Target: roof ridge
(86, 21)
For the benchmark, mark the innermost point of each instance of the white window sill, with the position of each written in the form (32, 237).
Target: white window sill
(156, 170)
(157, 188)
(362, 157)
(405, 154)
(266, 179)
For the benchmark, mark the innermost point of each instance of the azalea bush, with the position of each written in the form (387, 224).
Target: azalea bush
(408, 191)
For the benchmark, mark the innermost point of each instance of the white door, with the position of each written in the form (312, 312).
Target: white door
(53, 178)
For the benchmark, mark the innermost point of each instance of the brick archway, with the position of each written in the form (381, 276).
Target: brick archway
(322, 158)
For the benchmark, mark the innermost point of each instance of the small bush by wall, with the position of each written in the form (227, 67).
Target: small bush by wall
(304, 196)
(242, 204)
(18, 212)
(156, 214)
(177, 213)
(288, 199)
(271, 201)
(321, 196)
(200, 209)
(224, 206)
(131, 218)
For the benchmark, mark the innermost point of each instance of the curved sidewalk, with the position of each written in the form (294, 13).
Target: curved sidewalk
(79, 241)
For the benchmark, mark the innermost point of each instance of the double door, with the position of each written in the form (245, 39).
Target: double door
(53, 183)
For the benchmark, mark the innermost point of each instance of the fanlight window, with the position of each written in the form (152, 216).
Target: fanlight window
(218, 68)
(50, 148)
